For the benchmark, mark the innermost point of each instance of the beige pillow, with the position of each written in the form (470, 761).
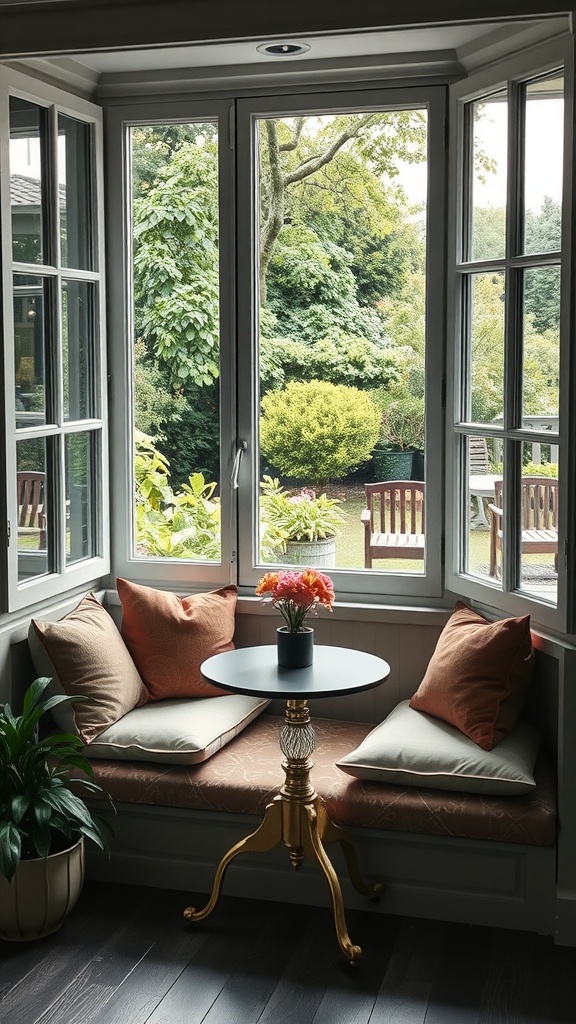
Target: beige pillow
(412, 749)
(85, 654)
(185, 731)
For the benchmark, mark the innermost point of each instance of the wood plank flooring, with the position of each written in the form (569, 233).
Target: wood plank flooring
(126, 956)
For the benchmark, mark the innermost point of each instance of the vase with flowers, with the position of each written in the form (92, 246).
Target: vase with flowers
(296, 593)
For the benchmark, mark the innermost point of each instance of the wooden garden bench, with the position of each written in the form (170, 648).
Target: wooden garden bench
(539, 512)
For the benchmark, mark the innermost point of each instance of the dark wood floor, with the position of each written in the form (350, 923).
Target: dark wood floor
(125, 956)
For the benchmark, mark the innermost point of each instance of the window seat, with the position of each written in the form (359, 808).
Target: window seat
(246, 774)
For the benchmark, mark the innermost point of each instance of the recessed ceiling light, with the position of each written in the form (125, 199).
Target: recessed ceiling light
(282, 49)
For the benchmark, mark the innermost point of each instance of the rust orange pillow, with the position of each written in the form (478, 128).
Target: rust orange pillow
(169, 637)
(477, 677)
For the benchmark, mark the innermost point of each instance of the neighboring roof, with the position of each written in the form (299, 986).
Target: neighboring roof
(27, 191)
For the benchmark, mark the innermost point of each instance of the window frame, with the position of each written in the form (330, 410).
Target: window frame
(194, 575)
(370, 586)
(508, 76)
(63, 577)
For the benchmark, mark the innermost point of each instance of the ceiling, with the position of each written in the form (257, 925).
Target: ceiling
(449, 49)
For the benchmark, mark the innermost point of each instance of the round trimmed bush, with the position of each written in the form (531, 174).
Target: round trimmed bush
(318, 431)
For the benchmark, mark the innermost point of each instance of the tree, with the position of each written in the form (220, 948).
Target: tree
(317, 431)
(294, 149)
(176, 266)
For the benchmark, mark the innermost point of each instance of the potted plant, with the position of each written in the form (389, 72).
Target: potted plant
(302, 526)
(401, 437)
(43, 820)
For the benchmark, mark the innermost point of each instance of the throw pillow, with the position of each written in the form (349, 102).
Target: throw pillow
(86, 656)
(169, 637)
(411, 749)
(477, 677)
(178, 731)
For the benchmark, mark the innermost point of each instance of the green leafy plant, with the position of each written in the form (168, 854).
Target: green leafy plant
(402, 425)
(183, 524)
(300, 516)
(317, 431)
(40, 809)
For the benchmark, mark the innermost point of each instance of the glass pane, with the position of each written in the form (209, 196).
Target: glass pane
(488, 178)
(34, 550)
(77, 349)
(174, 206)
(543, 164)
(26, 181)
(486, 307)
(483, 460)
(29, 349)
(539, 523)
(342, 279)
(541, 380)
(81, 502)
(75, 183)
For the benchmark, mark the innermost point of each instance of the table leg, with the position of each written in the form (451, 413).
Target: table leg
(298, 818)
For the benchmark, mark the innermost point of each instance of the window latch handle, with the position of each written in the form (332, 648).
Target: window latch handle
(242, 447)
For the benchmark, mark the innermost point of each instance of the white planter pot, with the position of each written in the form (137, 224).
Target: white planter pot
(41, 894)
(318, 554)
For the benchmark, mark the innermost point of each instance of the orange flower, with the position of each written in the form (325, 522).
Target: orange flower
(297, 592)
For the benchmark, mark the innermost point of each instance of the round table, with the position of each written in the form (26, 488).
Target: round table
(297, 816)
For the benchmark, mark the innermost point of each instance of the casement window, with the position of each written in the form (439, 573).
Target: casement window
(52, 262)
(258, 244)
(508, 487)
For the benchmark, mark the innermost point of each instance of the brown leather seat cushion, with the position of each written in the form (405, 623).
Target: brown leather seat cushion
(245, 775)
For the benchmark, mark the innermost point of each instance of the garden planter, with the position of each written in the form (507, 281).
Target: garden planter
(318, 554)
(392, 465)
(41, 894)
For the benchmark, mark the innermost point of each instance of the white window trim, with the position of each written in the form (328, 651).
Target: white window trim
(532, 62)
(49, 586)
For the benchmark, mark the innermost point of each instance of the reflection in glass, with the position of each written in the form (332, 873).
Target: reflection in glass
(539, 522)
(488, 178)
(543, 164)
(541, 379)
(336, 294)
(26, 184)
(29, 349)
(486, 399)
(34, 549)
(81, 515)
(77, 343)
(76, 192)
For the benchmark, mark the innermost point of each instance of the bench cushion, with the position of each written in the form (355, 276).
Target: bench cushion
(246, 774)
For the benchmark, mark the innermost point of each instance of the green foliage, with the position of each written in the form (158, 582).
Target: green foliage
(300, 516)
(540, 469)
(311, 290)
(40, 810)
(176, 266)
(192, 438)
(185, 524)
(154, 402)
(402, 424)
(316, 430)
(355, 362)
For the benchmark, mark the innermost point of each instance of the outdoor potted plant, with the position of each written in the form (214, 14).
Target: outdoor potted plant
(401, 439)
(43, 820)
(302, 526)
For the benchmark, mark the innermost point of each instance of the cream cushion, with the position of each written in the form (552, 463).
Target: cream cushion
(85, 655)
(411, 748)
(178, 731)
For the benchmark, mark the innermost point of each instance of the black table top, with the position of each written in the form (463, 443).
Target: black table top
(255, 671)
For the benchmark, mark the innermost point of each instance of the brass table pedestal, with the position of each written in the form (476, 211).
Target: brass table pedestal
(298, 818)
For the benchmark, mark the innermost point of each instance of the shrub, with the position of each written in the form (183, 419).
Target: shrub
(317, 431)
(403, 423)
(300, 516)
